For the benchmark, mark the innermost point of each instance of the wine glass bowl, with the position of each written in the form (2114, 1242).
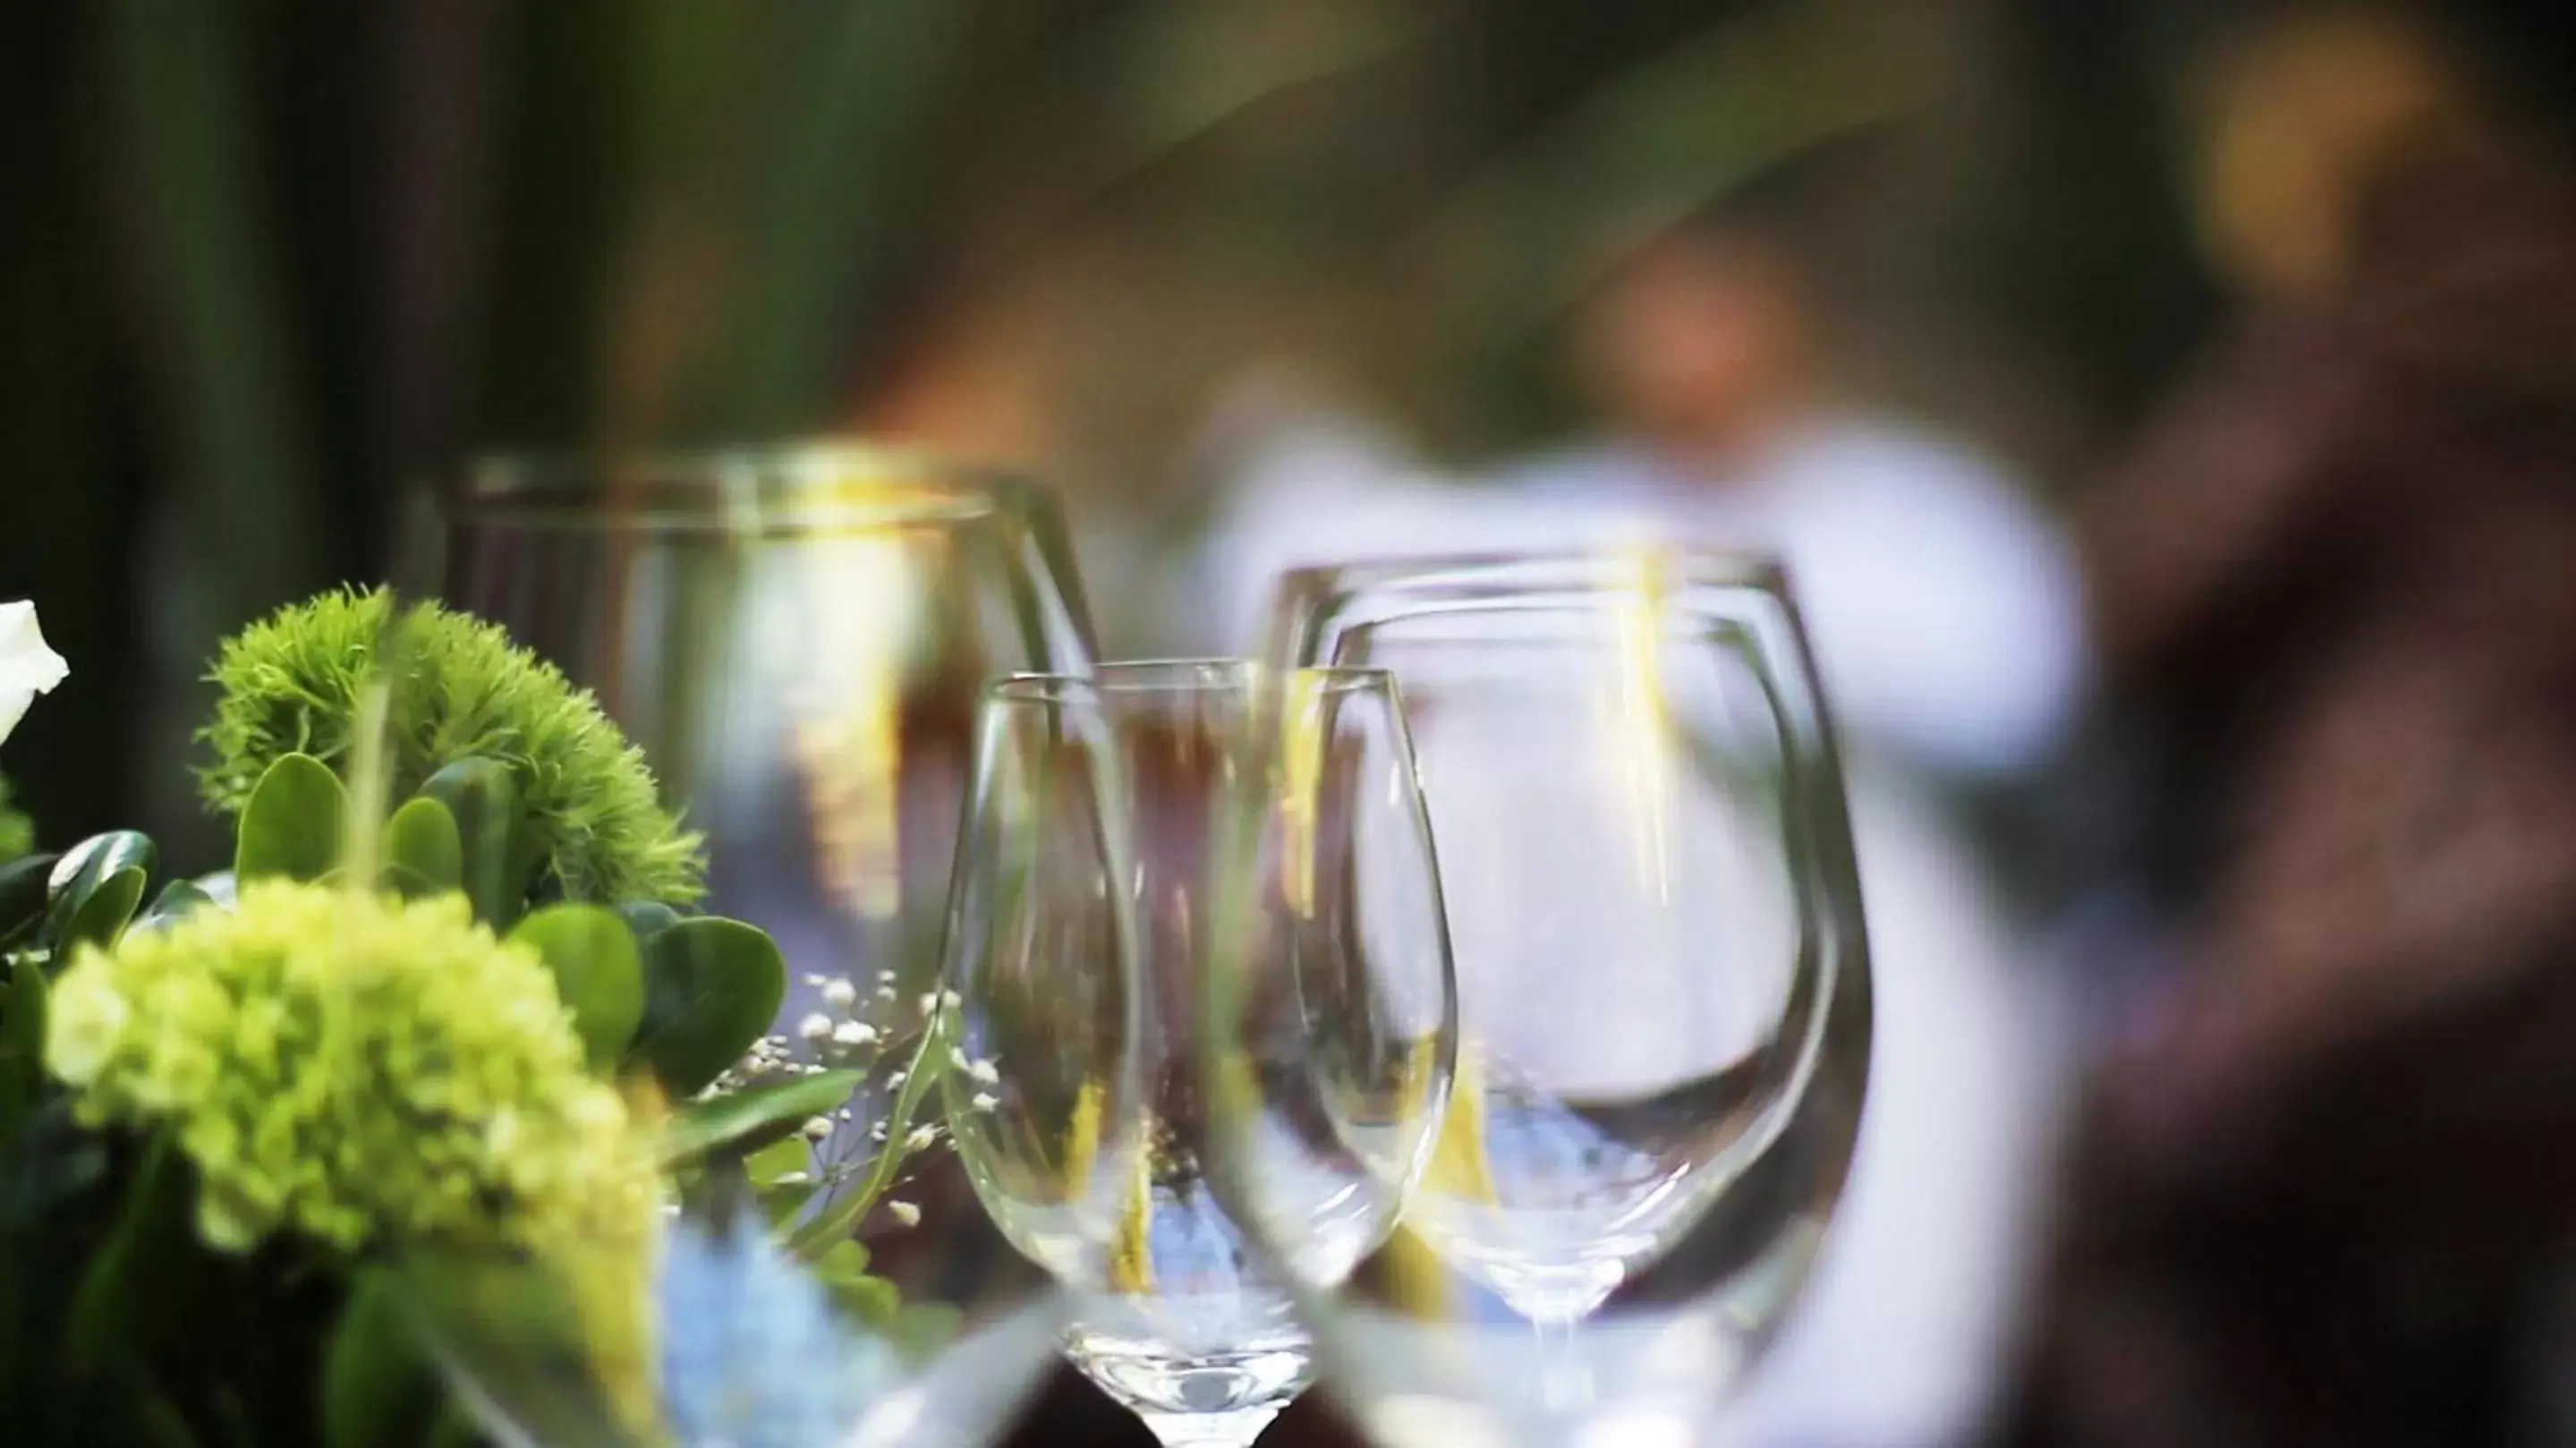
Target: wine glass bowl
(794, 638)
(1663, 987)
(1269, 830)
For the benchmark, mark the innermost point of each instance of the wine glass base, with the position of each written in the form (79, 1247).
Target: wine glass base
(1209, 1430)
(1223, 1398)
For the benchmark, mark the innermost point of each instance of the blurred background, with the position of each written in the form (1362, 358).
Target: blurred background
(2168, 408)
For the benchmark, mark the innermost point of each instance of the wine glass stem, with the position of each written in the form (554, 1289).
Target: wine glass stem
(1209, 1430)
(1565, 1380)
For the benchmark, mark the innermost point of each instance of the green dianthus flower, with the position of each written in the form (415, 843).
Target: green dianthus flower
(355, 1069)
(291, 684)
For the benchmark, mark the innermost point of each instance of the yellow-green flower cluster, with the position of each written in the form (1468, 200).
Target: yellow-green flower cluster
(356, 1069)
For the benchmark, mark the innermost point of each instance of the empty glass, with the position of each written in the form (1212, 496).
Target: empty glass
(1215, 812)
(794, 639)
(1663, 992)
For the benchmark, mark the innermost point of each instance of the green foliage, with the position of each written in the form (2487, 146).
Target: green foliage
(843, 1271)
(177, 901)
(598, 972)
(26, 885)
(496, 846)
(596, 828)
(84, 872)
(712, 987)
(149, 1240)
(282, 1114)
(755, 1116)
(103, 913)
(422, 837)
(377, 1386)
(50, 903)
(290, 826)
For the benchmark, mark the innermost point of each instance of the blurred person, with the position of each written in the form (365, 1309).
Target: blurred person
(1946, 609)
(2321, 1190)
(1947, 612)
(1946, 616)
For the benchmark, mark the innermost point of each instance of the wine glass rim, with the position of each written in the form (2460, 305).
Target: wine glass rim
(1174, 676)
(810, 485)
(1572, 569)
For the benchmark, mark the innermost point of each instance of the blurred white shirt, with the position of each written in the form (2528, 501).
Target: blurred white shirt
(1946, 612)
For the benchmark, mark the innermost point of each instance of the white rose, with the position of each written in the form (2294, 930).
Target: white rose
(27, 667)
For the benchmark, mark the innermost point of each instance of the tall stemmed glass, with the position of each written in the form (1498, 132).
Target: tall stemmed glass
(794, 638)
(1663, 985)
(1272, 822)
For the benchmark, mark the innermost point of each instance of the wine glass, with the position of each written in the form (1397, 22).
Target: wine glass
(793, 638)
(1663, 992)
(1274, 821)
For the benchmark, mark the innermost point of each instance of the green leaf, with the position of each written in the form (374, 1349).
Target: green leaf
(177, 901)
(422, 837)
(102, 915)
(407, 882)
(24, 884)
(82, 873)
(647, 918)
(871, 1300)
(711, 987)
(291, 826)
(598, 972)
(483, 799)
(846, 1259)
(514, 1332)
(756, 1115)
(377, 1387)
(127, 1284)
(779, 1159)
(99, 856)
(781, 1175)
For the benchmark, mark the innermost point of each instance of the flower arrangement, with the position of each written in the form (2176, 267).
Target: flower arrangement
(594, 827)
(446, 1034)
